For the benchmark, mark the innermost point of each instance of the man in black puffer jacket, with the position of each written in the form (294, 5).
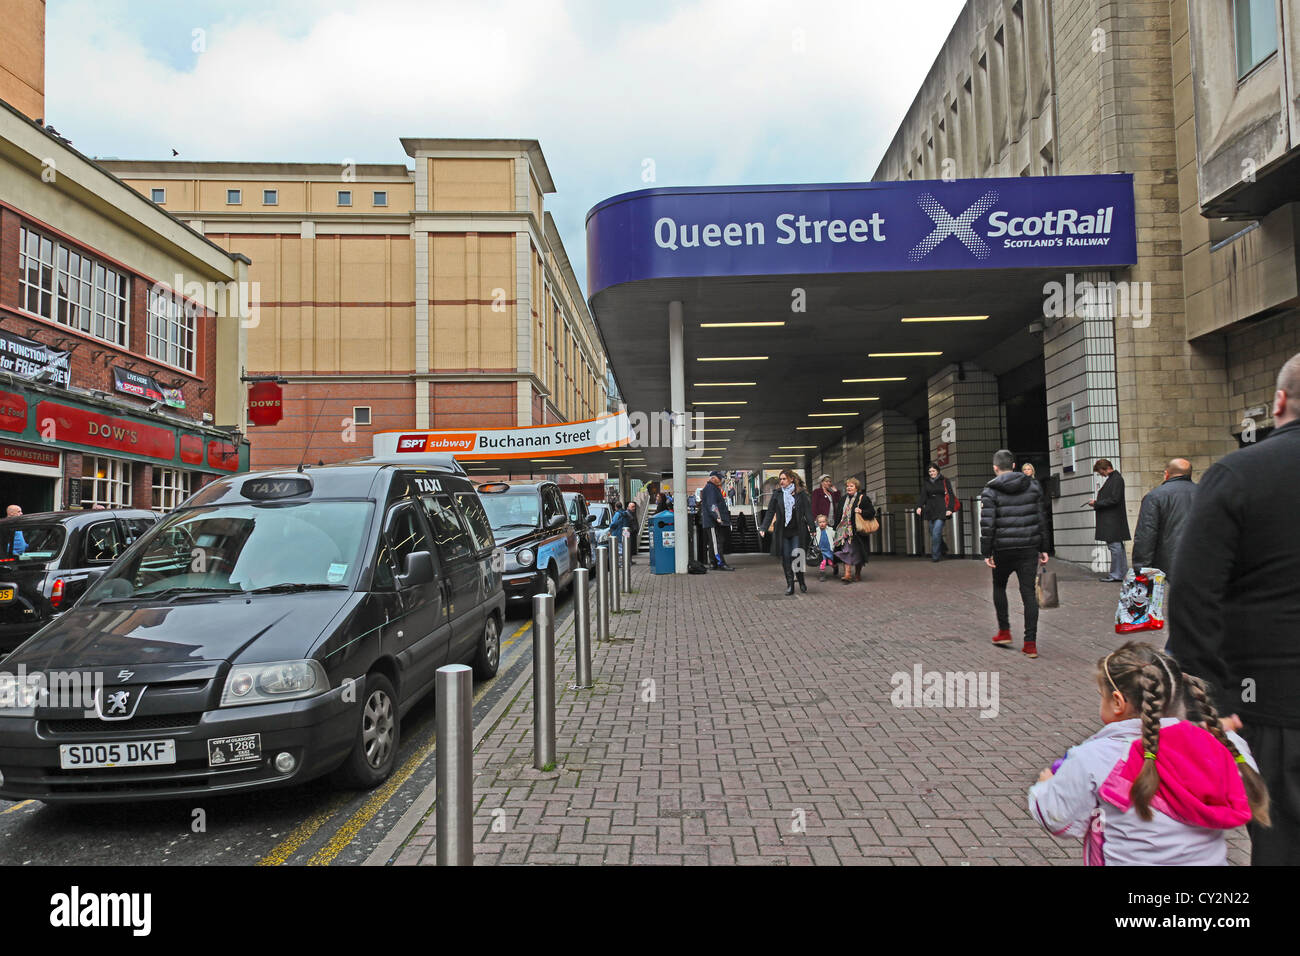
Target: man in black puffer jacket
(1013, 538)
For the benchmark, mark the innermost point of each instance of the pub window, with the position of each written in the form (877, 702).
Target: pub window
(158, 195)
(380, 198)
(105, 482)
(234, 197)
(59, 282)
(270, 197)
(1255, 24)
(171, 486)
(361, 415)
(345, 197)
(170, 332)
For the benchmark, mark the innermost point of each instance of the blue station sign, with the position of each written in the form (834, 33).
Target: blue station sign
(1043, 222)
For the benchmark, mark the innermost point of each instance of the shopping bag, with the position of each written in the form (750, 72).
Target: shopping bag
(1045, 588)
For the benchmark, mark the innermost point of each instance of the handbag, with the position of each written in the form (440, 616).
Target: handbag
(1045, 588)
(866, 525)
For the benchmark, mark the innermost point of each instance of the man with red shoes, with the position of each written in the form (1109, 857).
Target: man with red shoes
(1013, 538)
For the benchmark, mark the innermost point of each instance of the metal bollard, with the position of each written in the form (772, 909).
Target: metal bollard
(616, 602)
(887, 530)
(958, 538)
(626, 564)
(543, 681)
(582, 625)
(455, 765)
(911, 532)
(602, 592)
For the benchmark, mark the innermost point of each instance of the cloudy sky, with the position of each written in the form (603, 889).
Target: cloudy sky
(709, 91)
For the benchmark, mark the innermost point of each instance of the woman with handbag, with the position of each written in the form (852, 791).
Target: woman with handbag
(788, 524)
(853, 533)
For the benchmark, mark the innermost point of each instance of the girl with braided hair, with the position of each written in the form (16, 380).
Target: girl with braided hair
(1162, 782)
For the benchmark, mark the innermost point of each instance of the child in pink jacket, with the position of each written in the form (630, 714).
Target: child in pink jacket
(1162, 782)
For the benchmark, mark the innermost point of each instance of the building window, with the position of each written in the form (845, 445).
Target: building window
(105, 481)
(1255, 23)
(158, 195)
(234, 197)
(361, 415)
(380, 197)
(270, 197)
(60, 283)
(345, 197)
(171, 486)
(171, 329)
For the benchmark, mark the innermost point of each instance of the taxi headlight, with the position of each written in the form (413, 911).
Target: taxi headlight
(525, 557)
(279, 680)
(19, 694)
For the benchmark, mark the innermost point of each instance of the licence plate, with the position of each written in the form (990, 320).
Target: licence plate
(228, 750)
(135, 753)
(6, 594)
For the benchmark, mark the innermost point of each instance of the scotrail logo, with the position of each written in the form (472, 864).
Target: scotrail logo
(945, 225)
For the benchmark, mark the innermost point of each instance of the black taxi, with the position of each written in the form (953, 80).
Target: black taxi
(273, 629)
(531, 522)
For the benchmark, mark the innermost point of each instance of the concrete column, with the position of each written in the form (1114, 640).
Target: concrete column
(677, 397)
(1079, 358)
(965, 414)
(891, 448)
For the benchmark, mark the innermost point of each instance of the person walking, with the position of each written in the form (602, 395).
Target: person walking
(788, 523)
(1013, 540)
(824, 538)
(854, 545)
(937, 503)
(715, 519)
(634, 526)
(19, 544)
(1163, 518)
(826, 500)
(1111, 518)
(1236, 621)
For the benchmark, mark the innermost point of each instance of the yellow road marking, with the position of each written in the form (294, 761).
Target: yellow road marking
(354, 824)
(17, 806)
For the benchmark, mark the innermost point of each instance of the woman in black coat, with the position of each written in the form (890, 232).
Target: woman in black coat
(936, 504)
(856, 545)
(788, 524)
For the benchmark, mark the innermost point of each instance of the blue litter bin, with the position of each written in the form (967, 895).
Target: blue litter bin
(662, 543)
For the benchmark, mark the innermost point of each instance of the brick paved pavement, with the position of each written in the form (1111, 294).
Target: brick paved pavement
(733, 725)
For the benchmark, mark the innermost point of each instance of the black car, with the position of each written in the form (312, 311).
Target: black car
(273, 629)
(48, 560)
(532, 524)
(583, 526)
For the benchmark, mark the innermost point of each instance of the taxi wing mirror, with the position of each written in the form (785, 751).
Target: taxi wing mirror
(419, 570)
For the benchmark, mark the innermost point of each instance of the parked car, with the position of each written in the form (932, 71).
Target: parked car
(532, 525)
(578, 514)
(274, 628)
(599, 515)
(48, 560)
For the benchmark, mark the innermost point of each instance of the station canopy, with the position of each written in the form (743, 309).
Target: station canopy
(790, 293)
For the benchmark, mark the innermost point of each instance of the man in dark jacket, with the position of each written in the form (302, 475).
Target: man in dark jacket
(715, 519)
(1013, 538)
(1163, 517)
(826, 501)
(1111, 517)
(1236, 622)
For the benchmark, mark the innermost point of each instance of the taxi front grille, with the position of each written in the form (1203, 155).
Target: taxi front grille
(100, 728)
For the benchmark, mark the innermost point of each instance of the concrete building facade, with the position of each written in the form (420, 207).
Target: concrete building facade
(1174, 356)
(437, 295)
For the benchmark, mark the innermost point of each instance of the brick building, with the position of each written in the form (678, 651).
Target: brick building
(120, 336)
(436, 296)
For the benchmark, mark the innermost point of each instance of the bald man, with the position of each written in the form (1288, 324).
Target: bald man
(1236, 619)
(19, 543)
(1163, 517)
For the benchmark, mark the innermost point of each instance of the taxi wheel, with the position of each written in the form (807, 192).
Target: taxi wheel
(488, 658)
(374, 752)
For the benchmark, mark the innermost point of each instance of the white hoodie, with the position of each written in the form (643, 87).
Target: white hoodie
(1069, 805)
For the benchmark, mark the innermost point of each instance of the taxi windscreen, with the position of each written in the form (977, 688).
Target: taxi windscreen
(244, 547)
(506, 511)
